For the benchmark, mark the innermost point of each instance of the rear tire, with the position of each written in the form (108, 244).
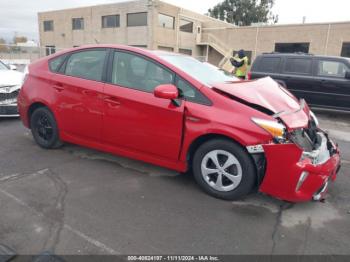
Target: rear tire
(44, 129)
(223, 169)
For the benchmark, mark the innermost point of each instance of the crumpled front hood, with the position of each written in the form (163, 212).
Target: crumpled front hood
(10, 78)
(268, 94)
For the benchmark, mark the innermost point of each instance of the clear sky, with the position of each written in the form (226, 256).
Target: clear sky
(21, 15)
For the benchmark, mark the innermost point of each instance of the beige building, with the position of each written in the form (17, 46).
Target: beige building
(157, 25)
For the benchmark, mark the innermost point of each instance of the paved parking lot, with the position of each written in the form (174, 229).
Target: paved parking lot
(79, 201)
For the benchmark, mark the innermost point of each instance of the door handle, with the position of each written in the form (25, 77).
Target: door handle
(58, 86)
(112, 101)
(89, 93)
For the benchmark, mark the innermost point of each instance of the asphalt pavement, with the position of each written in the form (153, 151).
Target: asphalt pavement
(76, 200)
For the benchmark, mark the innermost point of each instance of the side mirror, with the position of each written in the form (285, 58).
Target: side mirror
(13, 67)
(347, 75)
(167, 91)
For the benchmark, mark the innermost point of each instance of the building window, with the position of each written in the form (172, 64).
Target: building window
(186, 26)
(50, 49)
(48, 26)
(110, 21)
(292, 47)
(345, 51)
(185, 51)
(78, 23)
(137, 19)
(166, 21)
(139, 46)
(166, 48)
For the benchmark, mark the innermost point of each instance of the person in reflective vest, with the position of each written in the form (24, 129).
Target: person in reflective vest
(240, 61)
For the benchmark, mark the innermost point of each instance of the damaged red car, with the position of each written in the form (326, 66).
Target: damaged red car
(174, 111)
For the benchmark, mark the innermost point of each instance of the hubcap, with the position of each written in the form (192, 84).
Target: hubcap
(44, 128)
(221, 170)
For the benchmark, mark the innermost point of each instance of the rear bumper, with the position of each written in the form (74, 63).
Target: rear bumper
(296, 176)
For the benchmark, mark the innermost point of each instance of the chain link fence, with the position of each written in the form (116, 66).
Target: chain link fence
(22, 54)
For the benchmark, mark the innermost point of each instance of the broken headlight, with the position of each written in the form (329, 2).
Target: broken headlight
(276, 129)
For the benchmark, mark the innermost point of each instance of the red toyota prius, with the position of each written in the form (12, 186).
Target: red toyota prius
(174, 111)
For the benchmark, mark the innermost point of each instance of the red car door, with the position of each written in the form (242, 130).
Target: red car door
(79, 90)
(133, 117)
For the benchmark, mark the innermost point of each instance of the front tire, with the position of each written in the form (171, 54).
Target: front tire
(44, 129)
(224, 169)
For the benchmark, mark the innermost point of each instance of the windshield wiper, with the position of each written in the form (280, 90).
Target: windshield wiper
(283, 113)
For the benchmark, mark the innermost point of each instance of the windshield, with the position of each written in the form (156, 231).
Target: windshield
(203, 72)
(3, 66)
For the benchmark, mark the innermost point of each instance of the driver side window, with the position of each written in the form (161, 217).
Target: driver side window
(136, 72)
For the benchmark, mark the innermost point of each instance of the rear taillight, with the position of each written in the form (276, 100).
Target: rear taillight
(249, 76)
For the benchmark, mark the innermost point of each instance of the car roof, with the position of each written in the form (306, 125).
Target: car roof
(120, 47)
(276, 54)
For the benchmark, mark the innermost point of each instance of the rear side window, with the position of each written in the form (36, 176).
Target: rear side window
(86, 64)
(332, 69)
(269, 64)
(55, 64)
(298, 66)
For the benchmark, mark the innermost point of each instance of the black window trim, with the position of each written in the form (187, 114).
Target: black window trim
(127, 21)
(62, 68)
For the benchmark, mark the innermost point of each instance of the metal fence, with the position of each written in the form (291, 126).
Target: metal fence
(24, 55)
(15, 54)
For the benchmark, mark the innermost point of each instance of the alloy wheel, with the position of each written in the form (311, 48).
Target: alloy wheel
(221, 170)
(44, 128)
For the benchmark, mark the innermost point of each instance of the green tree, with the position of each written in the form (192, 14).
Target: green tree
(244, 12)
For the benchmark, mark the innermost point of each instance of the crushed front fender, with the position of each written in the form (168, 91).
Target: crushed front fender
(285, 166)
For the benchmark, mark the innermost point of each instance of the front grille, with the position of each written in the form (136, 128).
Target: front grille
(8, 110)
(7, 96)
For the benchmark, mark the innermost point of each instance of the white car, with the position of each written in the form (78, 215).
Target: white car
(10, 84)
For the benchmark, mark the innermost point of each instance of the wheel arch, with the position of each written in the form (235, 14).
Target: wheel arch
(33, 107)
(196, 143)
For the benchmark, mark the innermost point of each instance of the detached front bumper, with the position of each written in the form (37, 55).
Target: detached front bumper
(297, 176)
